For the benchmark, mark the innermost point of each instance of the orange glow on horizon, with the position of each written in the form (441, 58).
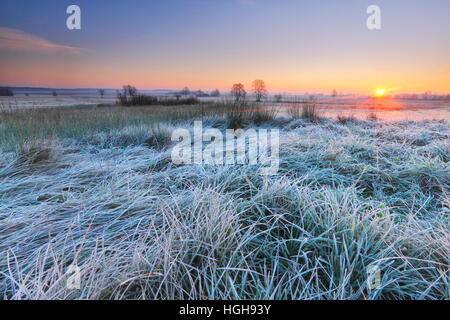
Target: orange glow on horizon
(82, 73)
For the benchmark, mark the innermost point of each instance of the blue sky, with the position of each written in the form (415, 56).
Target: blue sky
(294, 45)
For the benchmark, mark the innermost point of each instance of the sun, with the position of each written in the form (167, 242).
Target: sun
(380, 92)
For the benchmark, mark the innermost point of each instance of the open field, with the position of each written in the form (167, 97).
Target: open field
(359, 107)
(96, 187)
(47, 101)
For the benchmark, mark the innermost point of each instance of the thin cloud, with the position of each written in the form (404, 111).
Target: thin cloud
(14, 40)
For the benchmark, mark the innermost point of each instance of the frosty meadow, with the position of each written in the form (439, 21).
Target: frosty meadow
(251, 146)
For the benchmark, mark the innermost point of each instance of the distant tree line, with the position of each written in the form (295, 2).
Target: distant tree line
(6, 92)
(129, 96)
(185, 92)
(425, 96)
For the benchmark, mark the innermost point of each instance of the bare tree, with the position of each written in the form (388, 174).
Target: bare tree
(238, 91)
(129, 90)
(101, 92)
(334, 94)
(54, 93)
(278, 98)
(259, 88)
(126, 94)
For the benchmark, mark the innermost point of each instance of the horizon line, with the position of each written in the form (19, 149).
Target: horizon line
(300, 92)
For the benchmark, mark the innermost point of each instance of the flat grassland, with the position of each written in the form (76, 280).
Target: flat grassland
(96, 187)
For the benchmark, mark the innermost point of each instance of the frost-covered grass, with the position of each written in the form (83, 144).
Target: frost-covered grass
(108, 198)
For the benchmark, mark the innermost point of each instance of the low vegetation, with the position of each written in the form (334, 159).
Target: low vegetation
(342, 119)
(307, 110)
(129, 96)
(96, 187)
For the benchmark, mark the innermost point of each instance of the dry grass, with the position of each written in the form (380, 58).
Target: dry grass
(304, 110)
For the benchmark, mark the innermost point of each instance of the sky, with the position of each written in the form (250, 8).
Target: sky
(293, 45)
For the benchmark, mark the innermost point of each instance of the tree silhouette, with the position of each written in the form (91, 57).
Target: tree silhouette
(129, 90)
(6, 92)
(238, 91)
(259, 88)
